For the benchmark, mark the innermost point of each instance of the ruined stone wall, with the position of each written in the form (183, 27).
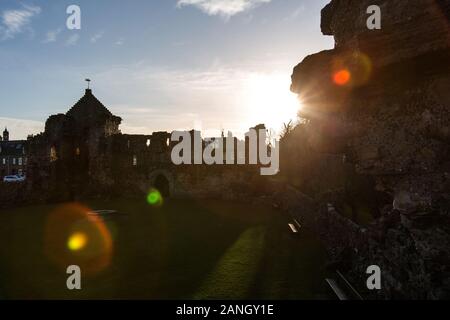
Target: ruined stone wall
(128, 165)
(390, 121)
(125, 162)
(409, 28)
(308, 170)
(67, 165)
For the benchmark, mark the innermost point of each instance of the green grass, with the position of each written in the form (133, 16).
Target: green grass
(184, 249)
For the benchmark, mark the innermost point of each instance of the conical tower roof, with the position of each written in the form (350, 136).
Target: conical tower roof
(89, 110)
(89, 104)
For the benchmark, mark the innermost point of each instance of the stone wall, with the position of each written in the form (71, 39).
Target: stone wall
(390, 122)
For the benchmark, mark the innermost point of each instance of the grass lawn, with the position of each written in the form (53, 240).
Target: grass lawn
(184, 249)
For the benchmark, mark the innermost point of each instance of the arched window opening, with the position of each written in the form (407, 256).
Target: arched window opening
(162, 185)
(53, 154)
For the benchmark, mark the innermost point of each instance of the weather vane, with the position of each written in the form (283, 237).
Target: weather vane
(88, 82)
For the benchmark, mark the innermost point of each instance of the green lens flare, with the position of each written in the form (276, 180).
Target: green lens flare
(154, 198)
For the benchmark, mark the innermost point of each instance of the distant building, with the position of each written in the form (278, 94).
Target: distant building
(13, 159)
(6, 135)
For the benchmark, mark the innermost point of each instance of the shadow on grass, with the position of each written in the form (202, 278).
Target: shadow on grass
(185, 249)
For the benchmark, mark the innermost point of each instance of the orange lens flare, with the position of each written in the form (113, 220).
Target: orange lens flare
(342, 77)
(353, 69)
(73, 236)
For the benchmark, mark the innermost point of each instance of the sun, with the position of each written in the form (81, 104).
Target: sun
(268, 100)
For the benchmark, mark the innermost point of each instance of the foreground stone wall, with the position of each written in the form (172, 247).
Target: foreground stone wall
(390, 122)
(409, 28)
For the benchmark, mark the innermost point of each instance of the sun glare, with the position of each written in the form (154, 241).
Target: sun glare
(270, 101)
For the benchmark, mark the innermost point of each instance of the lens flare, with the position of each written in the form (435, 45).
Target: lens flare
(77, 241)
(352, 69)
(73, 236)
(154, 198)
(342, 77)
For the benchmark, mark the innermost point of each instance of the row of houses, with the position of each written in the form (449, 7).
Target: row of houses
(13, 158)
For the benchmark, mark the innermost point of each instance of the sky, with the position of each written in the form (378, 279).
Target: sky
(161, 65)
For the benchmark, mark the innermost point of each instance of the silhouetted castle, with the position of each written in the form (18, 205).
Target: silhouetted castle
(83, 152)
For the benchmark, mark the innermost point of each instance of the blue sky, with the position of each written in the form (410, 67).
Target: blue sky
(159, 64)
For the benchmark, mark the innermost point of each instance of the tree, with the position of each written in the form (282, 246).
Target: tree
(287, 129)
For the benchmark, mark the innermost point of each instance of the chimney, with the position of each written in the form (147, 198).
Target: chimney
(5, 135)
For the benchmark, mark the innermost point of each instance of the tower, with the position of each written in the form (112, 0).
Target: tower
(6, 135)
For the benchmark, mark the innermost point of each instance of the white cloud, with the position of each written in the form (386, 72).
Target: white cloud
(14, 22)
(119, 42)
(73, 39)
(52, 35)
(225, 8)
(97, 37)
(19, 129)
(296, 13)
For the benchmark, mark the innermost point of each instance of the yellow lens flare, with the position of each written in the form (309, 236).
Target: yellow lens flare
(77, 241)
